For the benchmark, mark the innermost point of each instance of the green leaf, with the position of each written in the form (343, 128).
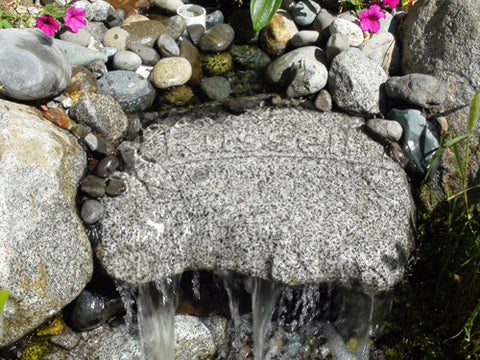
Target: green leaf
(262, 11)
(471, 319)
(474, 106)
(3, 298)
(454, 141)
(459, 161)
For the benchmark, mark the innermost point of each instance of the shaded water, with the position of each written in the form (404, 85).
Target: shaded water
(306, 322)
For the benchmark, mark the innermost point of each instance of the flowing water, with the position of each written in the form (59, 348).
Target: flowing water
(307, 322)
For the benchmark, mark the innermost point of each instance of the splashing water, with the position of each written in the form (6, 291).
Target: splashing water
(156, 304)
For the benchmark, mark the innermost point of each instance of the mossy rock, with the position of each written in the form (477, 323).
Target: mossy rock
(250, 57)
(36, 350)
(247, 82)
(217, 64)
(178, 96)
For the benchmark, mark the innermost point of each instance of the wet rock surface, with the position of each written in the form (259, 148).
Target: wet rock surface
(284, 169)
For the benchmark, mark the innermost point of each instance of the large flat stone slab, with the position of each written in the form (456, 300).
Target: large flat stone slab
(289, 195)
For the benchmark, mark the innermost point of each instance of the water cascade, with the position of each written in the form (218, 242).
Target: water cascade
(306, 322)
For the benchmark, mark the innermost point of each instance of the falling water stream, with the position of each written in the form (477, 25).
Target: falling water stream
(307, 322)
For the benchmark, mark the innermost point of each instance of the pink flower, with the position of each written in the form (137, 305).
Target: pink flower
(391, 3)
(47, 24)
(369, 19)
(75, 18)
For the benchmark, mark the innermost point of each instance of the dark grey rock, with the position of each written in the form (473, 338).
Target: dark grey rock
(115, 187)
(310, 76)
(130, 90)
(126, 60)
(440, 38)
(79, 55)
(148, 55)
(93, 185)
(167, 46)
(304, 12)
(417, 89)
(91, 310)
(218, 38)
(335, 45)
(40, 167)
(103, 114)
(418, 142)
(290, 195)
(33, 67)
(107, 166)
(355, 83)
(214, 18)
(91, 212)
(216, 87)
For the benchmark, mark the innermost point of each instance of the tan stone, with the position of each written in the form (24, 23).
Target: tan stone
(277, 33)
(170, 72)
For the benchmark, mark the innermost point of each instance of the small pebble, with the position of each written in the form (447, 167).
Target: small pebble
(80, 131)
(67, 339)
(335, 45)
(175, 25)
(148, 55)
(171, 71)
(98, 68)
(93, 186)
(322, 22)
(304, 12)
(167, 46)
(305, 38)
(116, 37)
(387, 129)
(126, 60)
(216, 88)
(92, 211)
(323, 101)
(107, 166)
(115, 187)
(218, 38)
(348, 28)
(91, 141)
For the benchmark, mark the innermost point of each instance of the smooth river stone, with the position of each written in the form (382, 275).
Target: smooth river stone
(268, 193)
(171, 71)
(218, 38)
(144, 32)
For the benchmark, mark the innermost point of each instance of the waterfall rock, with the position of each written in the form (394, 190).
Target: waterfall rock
(45, 256)
(440, 38)
(290, 195)
(33, 67)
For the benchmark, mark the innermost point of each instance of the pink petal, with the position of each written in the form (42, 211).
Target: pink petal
(47, 24)
(74, 19)
(391, 3)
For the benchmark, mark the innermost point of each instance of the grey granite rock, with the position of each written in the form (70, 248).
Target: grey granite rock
(384, 50)
(148, 55)
(80, 55)
(355, 83)
(417, 89)
(45, 255)
(268, 193)
(103, 114)
(279, 71)
(193, 340)
(33, 67)
(96, 29)
(322, 22)
(99, 10)
(167, 46)
(304, 12)
(310, 76)
(348, 28)
(216, 87)
(335, 45)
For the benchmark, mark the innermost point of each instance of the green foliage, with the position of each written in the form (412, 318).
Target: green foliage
(262, 11)
(7, 19)
(3, 298)
(53, 10)
(439, 318)
(357, 5)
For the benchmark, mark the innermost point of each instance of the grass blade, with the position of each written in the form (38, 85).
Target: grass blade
(471, 319)
(455, 140)
(474, 107)
(262, 11)
(3, 298)
(459, 161)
